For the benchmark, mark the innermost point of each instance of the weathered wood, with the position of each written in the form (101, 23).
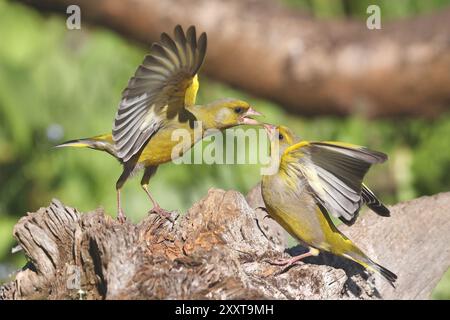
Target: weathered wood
(310, 66)
(217, 250)
(415, 242)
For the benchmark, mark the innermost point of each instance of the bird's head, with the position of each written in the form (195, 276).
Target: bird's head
(227, 113)
(280, 137)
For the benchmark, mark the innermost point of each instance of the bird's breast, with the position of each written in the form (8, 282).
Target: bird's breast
(165, 145)
(292, 206)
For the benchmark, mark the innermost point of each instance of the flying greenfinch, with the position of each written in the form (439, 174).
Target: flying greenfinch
(159, 99)
(314, 180)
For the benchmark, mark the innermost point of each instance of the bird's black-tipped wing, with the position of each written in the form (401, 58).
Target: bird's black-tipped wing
(371, 200)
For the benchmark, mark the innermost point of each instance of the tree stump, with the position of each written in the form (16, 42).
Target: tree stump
(218, 250)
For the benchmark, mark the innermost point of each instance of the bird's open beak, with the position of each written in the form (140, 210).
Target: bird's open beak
(246, 119)
(270, 129)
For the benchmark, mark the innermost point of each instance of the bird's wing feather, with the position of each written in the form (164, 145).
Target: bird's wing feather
(334, 172)
(162, 86)
(371, 200)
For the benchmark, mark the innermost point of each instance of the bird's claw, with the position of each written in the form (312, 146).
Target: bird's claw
(121, 217)
(286, 264)
(163, 213)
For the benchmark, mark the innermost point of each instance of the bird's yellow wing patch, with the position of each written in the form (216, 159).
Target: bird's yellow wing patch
(295, 148)
(343, 144)
(291, 156)
(191, 92)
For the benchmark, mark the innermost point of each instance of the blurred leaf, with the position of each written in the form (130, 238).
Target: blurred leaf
(6, 240)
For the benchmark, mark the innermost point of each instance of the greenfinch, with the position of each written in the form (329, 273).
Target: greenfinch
(159, 99)
(313, 180)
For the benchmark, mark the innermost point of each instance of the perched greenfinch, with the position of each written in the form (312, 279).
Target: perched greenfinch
(313, 180)
(159, 99)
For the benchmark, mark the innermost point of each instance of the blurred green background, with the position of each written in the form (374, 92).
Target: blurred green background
(57, 84)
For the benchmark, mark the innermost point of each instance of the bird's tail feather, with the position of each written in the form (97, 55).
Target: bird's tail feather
(359, 257)
(102, 142)
(385, 273)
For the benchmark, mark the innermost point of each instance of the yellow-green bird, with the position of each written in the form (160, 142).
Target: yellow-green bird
(159, 99)
(313, 180)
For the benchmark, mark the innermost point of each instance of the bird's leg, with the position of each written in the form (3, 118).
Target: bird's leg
(156, 206)
(287, 263)
(121, 217)
(148, 173)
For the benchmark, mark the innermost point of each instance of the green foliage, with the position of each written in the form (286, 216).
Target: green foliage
(6, 225)
(431, 162)
(57, 81)
(442, 290)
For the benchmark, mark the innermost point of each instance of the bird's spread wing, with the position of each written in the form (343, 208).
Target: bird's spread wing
(162, 86)
(334, 172)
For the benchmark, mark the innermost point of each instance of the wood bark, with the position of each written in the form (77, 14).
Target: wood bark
(309, 66)
(218, 250)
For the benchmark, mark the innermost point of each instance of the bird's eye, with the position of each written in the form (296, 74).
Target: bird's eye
(280, 137)
(238, 110)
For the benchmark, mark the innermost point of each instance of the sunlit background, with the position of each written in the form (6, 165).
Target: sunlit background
(57, 85)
